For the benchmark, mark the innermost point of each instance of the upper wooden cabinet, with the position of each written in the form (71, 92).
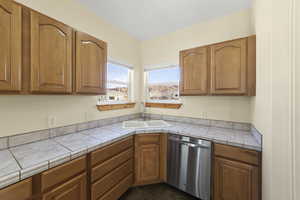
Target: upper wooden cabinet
(194, 71)
(51, 55)
(226, 68)
(91, 58)
(10, 51)
(40, 55)
(229, 67)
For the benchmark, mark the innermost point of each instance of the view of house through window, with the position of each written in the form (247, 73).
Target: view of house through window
(163, 84)
(118, 82)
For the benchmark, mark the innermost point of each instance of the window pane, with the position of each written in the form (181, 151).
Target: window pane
(163, 84)
(117, 82)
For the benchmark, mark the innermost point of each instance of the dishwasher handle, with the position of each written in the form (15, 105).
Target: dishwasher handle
(190, 144)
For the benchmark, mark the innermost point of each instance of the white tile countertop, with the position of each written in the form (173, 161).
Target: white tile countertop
(23, 161)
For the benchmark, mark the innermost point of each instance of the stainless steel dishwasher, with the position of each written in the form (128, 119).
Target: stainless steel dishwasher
(189, 165)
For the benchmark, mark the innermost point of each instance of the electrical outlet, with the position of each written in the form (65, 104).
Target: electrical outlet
(51, 121)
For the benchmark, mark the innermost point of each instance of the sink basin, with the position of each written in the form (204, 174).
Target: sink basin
(157, 123)
(145, 124)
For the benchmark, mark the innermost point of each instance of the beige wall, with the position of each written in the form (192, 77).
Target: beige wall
(165, 51)
(273, 106)
(261, 104)
(296, 138)
(27, 113)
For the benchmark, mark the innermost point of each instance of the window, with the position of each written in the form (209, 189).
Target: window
(118, 82)
(163, 84)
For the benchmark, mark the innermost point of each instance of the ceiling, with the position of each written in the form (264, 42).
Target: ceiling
(146, 19)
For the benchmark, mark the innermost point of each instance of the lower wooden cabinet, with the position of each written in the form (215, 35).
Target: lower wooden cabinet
(75, 189)
(111, 170)
(238, 178)
(18, 191)
(150, 159)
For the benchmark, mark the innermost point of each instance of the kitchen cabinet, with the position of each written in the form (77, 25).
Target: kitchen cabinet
(111, 170)
(40, 55)
(64, 182)
(150, 158)
(18, 191)
(236, 174)
(91, 58)
(11, 44)
(194, 68)
(51, 55)
(74, 189)
(227, 68)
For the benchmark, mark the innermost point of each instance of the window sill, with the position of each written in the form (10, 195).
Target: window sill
(115, 106)
(163, 105)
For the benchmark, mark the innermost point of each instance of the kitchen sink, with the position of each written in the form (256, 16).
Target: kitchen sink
(145, 124)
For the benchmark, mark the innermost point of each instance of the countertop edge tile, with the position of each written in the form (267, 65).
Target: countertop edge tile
(30, 171)
(9, 179)
(59, 160)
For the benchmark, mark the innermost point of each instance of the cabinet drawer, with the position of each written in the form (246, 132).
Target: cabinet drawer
(107, 166)
(236, 153)
(62, 173)
(148, 139)
(119, 189)
(18, 191)
(112, 179)
(74, 189)
(109, 151)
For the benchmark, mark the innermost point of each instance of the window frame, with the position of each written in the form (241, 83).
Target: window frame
(146, 85)
(105, 98)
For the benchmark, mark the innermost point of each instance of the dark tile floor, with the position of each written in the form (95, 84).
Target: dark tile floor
(156, 192)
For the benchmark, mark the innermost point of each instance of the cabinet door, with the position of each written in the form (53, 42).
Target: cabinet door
(229, 67)
(235, 181)
(74, 189)
(51, 55)
(18, 191)
(10, 51)
(91, 58)
(148, 163)
(194, 71)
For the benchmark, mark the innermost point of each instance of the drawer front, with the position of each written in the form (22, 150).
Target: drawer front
(109, 151)
(74, 189)
(112, 179)
(119, 189)
(147, 139)
(236, 153)
(62, 173)
(107, 166)
(18, 191)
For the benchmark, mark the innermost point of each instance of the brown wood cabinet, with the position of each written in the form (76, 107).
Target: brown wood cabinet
(194, 71)
(236, 174)
(40, 55)
(10, 51)
(229, 67)
(74, 189)
(111, 170)
(150, 158)
(18, 191)
(51, 55)
(226, 68)
(91, 58)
